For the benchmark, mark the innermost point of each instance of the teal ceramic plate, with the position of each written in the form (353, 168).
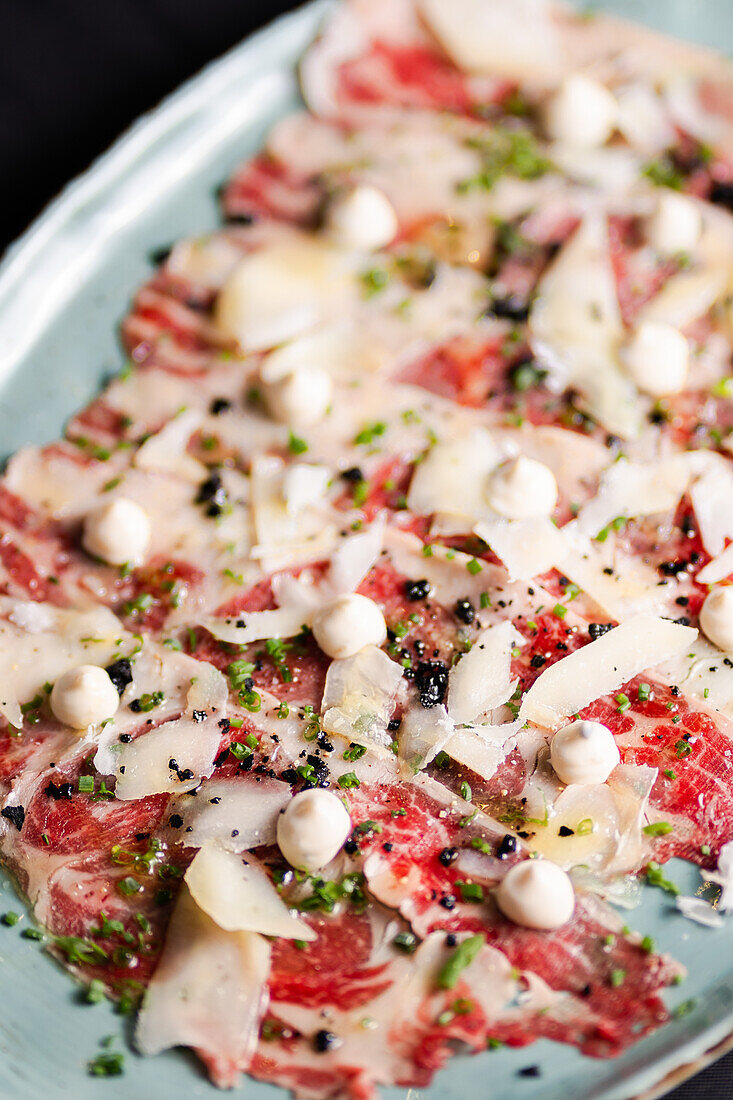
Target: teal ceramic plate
(64, 288)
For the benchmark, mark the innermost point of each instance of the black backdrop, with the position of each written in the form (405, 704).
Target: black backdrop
(73, 75)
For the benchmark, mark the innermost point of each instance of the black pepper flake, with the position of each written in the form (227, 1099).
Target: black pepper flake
(199, 716)
(353, 474)
(465, 611)
(320, 770)
(448, 856)
(60, 792)
(448, 902)
(597, 629)
(682, 601)
(351, 847)
(564, 831)
(213, 494)
(417, 590)
(290, 776)
(221, 758)
(125, 738)
(722, 194)
(388, 846)
(683, 620)
(674, 689)
(451, 940)
(672, 568)
(586, 991)
(219, 405)
(431, 680)
(324, 1041)
(538, 661)
(175, 821)
(120, 673)
(507, 847)
(394, 724)
(510, 308)
(15, 815)
(529, 1071)
(241, 217)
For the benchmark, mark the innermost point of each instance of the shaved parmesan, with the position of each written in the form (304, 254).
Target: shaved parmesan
(359, 697)
(700, 911)
(236, 813)
(240, 897)
(481, 680)
(717, 569)
(576, 330)
(483, 748)
(353, 558)
(634, 489)
(712, 498)
(423, 733)
(282, 291)
(209, 992)
(451, 478)
(39, 642)
(304, 485)
(625, 591)
(702, 671)
(143, 766)
(487, 36)
(287, 526)
(527, 547)
(165, 452)
(299, 598)
(617, 808)
(640, 643)
(642, 119)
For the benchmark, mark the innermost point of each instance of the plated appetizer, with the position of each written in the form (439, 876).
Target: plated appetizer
(368, 642)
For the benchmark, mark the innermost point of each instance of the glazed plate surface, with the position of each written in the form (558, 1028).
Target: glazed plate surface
(64, 287)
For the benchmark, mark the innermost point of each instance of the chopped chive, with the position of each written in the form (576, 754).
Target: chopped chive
(462, 957)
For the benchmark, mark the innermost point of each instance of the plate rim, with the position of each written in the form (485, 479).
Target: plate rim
(24, 254)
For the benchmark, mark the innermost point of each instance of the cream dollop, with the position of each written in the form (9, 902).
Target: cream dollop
(658, 358)
(362, 217)
(582, 113)
(312, 829)
(345, 625)
(118, 532)
(301, 397)
(84, 696)
(584, 752)
(716, 617)
(536, 894)
(675, 226)
(522, 488)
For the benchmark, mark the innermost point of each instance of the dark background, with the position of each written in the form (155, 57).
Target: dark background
(73, 75)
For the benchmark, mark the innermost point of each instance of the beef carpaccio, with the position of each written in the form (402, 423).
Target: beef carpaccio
(373, 630)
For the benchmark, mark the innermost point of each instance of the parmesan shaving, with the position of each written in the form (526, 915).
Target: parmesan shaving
(165, 452)
(423, 733)
(237, 815)
(527, 547)
(642, 642)
(359, 697)
(519, 41)
(239, 896)
(208, 992)
(576, 330)
(284, 290)
(481, 680)
(451, 478)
